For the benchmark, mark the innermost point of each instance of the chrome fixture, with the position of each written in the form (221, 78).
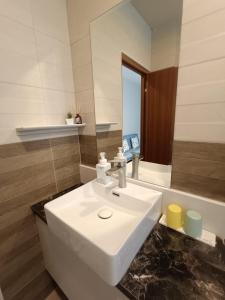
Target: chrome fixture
(119, 168)
(135, 165)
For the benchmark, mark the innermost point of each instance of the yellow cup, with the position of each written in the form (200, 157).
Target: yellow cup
(174, 216)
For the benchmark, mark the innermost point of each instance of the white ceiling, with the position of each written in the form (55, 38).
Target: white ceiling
(157, 12)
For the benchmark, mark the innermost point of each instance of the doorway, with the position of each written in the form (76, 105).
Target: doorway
(156, 111)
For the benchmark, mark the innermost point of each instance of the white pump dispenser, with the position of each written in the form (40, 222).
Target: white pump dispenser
(101, 168)
(120, 155)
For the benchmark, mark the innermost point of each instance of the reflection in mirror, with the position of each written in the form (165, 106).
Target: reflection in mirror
(135, 54)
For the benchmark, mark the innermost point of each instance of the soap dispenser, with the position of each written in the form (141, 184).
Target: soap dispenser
(101, 168)
(120, 156)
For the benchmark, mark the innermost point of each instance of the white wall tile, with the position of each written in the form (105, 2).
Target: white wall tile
(81, 52)
(50, 17)
(201, 113)
(36, 78)
(51, 50)
(202, 93)
(200, 132)
(206, 50)
(56, 77)
(204, 28)
(83, 78)
(20, 92)
(19, 69)
(194, 9)
(211, 71)
(17, 38)
(57, 102)
(82, 12)
(18, 10)
(85, 102)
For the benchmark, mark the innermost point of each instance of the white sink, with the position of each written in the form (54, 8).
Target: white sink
(107, 246)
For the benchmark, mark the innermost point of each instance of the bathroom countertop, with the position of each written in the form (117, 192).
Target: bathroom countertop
(38, 208)
(171, 266)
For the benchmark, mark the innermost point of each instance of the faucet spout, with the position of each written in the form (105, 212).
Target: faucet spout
(120, 169)
(135, 165)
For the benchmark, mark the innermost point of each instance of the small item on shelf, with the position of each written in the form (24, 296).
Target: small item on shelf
(70, 119)
(174, 216)
(78, 119)
(193, 223)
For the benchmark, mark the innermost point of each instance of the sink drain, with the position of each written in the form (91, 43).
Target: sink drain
(105, 213)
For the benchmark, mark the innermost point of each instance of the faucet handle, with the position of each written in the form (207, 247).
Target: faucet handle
(118, 161)
(137, 156)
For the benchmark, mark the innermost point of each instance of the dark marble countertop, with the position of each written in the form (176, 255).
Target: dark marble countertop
(170, 266)
(173, 266)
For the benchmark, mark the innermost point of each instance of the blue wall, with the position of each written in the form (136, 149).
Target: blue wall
(131, 102)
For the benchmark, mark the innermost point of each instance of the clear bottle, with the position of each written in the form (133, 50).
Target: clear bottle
(101, 168)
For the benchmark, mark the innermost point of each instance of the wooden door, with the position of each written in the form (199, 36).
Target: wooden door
(158, 112)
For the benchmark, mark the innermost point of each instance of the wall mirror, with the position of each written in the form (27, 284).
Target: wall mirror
(135, 56)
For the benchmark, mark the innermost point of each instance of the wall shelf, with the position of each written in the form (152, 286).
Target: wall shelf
(46, 129)
(104, 126)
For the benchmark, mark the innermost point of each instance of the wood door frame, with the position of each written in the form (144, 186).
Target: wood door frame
(138, 68)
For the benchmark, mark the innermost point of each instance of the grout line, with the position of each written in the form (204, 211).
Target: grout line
(80, 39)
(201, 103)
(37, 30)
(204, 16)
(202, 62)
(200, 41)
(202, 84)
(53, 165)
(37, 87)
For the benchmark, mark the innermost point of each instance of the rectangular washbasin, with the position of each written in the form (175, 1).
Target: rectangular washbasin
(105, 226)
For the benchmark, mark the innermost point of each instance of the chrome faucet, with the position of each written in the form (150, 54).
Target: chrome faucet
(135, 165)
(120, 168)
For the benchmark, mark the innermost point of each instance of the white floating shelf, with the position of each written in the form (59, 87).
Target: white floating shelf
(47, 129)
(104, 125)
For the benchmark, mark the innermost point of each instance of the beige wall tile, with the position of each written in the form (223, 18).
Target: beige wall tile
(50, 17)
(35, 59)
(81, 13)
(194, 9)
(81, 52)
(83, 78)
(201, 80)
(18, 10)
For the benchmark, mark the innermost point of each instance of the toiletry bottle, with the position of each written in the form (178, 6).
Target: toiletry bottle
(120, 156)
(78, 119)
(101, 168)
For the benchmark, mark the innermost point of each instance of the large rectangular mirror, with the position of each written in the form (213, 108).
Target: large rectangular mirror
(135, 56)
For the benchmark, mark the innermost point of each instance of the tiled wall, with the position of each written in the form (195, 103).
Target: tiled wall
(109, 142)
(199, 168)
(81, 13)
(200, 111)
(30, 172)
(199, 161)
(112, 35)
(36, 79)
(88, 150)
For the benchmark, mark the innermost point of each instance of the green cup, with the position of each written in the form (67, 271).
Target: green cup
(193, 223)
